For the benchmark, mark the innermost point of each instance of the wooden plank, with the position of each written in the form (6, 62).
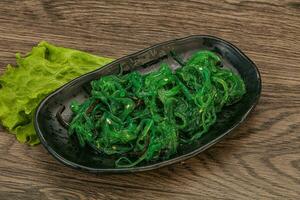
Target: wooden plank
(261, 160)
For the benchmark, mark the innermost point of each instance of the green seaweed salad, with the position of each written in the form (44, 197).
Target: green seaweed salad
(145, 117)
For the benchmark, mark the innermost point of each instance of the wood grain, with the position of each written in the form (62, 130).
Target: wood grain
(261, 160)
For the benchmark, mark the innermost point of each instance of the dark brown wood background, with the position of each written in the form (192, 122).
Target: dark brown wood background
(261, 160)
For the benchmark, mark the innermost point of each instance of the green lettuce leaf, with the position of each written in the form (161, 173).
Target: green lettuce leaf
(40, 72)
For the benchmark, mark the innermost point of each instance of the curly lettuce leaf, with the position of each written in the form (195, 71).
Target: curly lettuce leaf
(40, 72)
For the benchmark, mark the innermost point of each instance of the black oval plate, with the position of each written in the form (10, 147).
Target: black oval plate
(54, 136)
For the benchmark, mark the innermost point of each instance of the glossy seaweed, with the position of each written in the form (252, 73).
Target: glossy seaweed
(139, 117)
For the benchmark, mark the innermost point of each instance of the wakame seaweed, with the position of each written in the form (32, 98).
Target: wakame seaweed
(144, 117)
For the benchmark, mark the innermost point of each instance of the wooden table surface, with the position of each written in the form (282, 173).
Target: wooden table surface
(261, 160)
